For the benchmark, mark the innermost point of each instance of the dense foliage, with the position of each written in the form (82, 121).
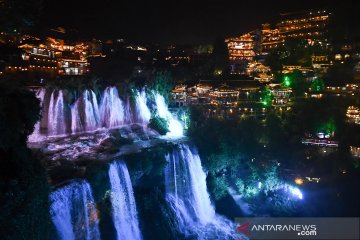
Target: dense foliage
(162, 83)
(159, 124)
(24, 190)
(258, 157)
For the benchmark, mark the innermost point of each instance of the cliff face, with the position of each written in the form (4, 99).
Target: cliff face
(87, 156)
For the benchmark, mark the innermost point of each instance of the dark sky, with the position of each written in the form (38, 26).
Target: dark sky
(174, 21)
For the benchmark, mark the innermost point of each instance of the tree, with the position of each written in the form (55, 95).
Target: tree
(294, 51)
(25, 192)
(317, 85)
(220, 58)
(266, 97)
(296, 81)
(162, 83)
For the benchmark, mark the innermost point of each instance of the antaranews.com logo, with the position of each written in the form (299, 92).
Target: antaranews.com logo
(299, 228)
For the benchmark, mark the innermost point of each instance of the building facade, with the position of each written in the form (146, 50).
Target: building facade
(309, 25)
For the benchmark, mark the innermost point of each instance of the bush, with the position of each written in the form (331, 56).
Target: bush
(159, 124)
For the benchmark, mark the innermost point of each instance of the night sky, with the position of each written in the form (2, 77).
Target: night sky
(175, 21)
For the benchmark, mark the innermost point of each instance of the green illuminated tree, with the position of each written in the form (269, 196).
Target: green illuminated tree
(162, 83)
(266, 97)
(328, 127)
(296, 81)
(159, 124)
(286, 82)
(317, 85)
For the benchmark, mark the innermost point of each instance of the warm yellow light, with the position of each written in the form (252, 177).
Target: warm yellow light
(299, 181)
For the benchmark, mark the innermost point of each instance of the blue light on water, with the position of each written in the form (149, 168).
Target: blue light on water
(296, 192)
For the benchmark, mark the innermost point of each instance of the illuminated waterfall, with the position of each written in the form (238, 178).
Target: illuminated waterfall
(36, 135)
(76, 125)
(56, 116)
(73, 212)
(143, 114)
(111, 108)
(123, 203)
(91, 111)
(85, 113)
(175, 127)
(186, 193)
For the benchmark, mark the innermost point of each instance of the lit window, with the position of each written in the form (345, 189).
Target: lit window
(338, 57)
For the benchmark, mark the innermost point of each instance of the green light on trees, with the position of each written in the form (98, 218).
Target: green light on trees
(317, 85)
(328, 127)
(287, 81)
(185, 119)
(266, 97)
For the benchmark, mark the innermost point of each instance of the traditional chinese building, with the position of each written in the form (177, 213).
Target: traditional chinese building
(259, 71)
(241, 48)
(241, 51)
(353, 114)
(281, 96)
(179, 95)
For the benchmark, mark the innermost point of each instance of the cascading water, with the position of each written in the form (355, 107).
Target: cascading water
(36, 135)
(111, 108)
(76, 125)
(91, 110)
(56, 117)
(143, 113)
(85, 113)
(175, 127)
(186, 193)
(123, 203)
(128, 112)
(73, 212)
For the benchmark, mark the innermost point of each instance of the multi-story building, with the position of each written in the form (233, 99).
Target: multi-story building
(241, 48)
(270, 38)
(72, 57)
(309, 25)
(241, 51)
(320, 62)
(35, 60)
(38, 59)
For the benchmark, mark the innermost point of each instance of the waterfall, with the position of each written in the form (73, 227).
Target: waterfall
(127, 112)
(175, 127)
(123, 203)
(186, 193)
(36, 135)
(91, 110)
(85, 113)
(76, 125)
(143, 114)
(56, 118)
(111, 108)
(73, 212)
